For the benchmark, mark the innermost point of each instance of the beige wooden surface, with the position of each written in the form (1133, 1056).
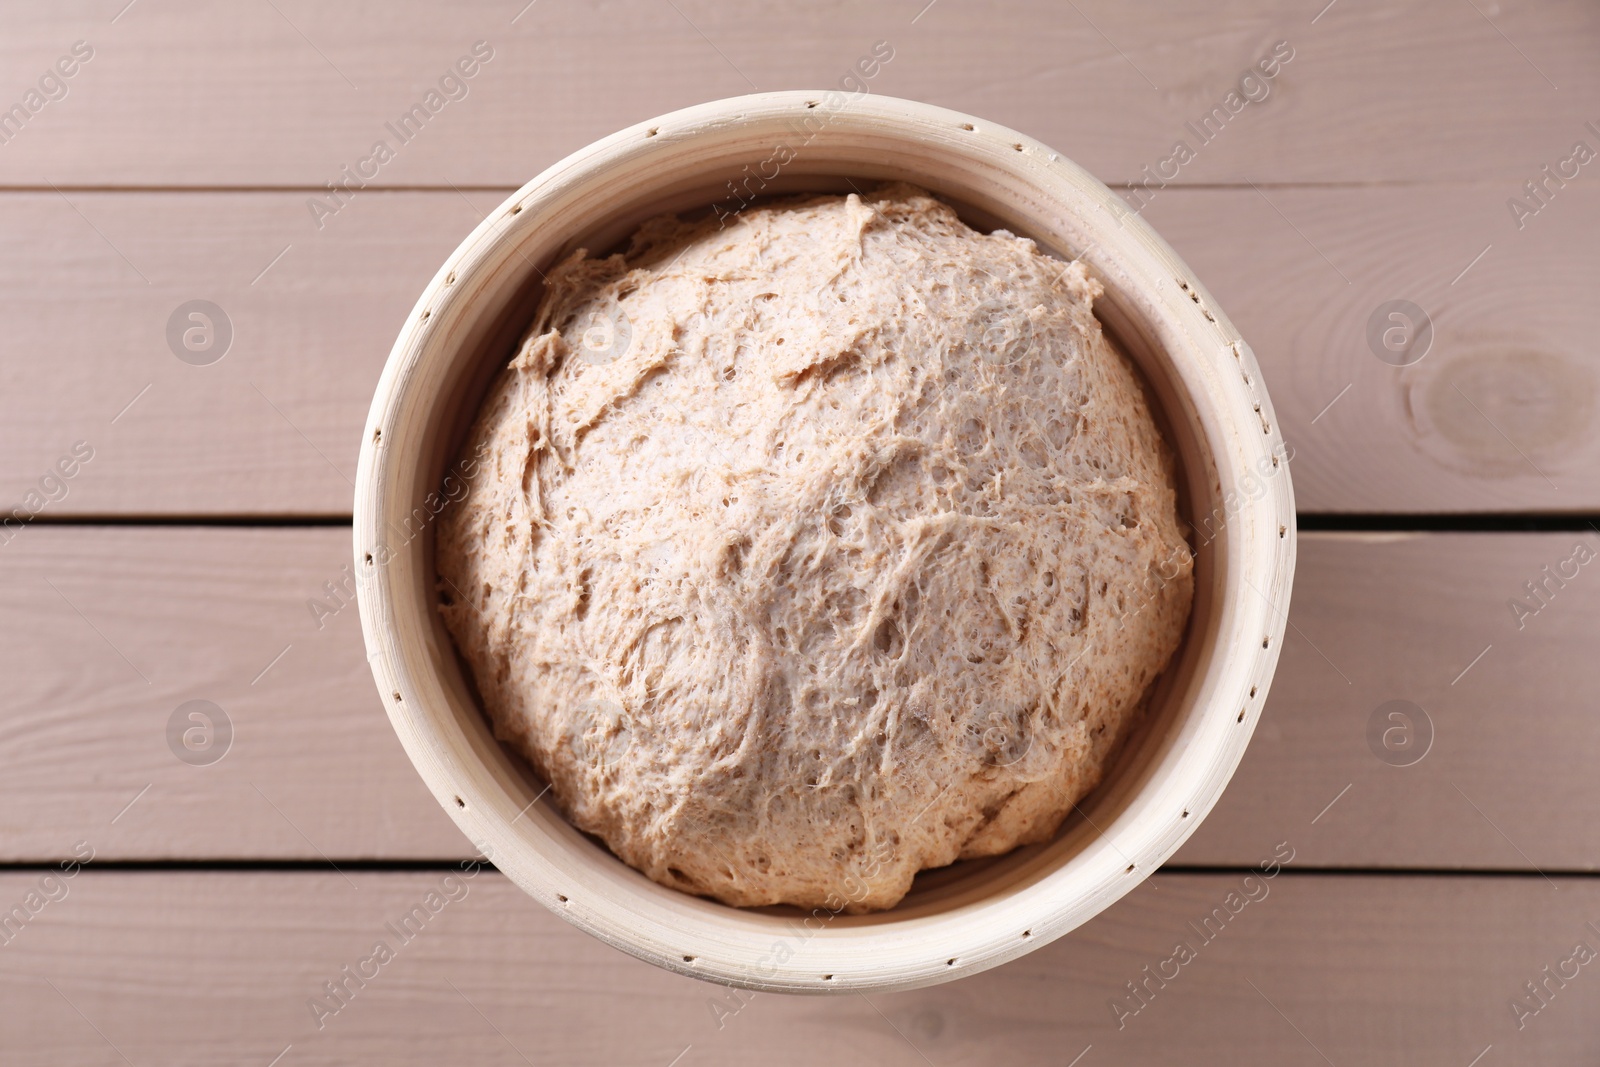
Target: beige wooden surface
(311, 334)
(178, 167)
(205, 967)
(170, 614)
(193, 94)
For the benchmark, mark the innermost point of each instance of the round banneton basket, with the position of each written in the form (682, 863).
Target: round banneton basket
(1203, 378)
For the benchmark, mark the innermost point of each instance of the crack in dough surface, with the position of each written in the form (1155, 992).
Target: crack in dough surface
(815, 550)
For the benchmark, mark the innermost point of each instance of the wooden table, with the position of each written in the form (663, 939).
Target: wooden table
(208, 506)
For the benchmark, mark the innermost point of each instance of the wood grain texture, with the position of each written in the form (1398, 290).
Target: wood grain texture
(201, 612)
(286, 94)
(109, 630)
(1406, 617)
(205, 968)
(271, 427)
(1498, 416)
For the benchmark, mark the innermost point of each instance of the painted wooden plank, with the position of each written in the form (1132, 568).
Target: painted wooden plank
(110, 632)
(1494, 406)
(270, 424)
(1506, 695)
(209, 967)
(289, 93)
(1498, 415)
(314, 769)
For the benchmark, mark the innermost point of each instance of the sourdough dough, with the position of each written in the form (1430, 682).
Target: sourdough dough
(816, 548)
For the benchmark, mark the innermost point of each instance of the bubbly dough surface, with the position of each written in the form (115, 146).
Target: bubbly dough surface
(814, 550)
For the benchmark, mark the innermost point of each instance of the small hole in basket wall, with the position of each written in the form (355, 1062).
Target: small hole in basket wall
(450, 279)
(1265, 641)
(651, 132)
(426, 314)
(377, 437)
(950, 962)
(561, 898)
(1027, 933)
(1252, 690)
(1241, 714)
(460, 803)
(1129, 870)
(368, 559)
(1017, 146)
(827, 978)
(397, 696)
(516, 209)
(688, 959)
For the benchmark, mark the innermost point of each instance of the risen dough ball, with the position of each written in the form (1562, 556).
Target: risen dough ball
(816, 549)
